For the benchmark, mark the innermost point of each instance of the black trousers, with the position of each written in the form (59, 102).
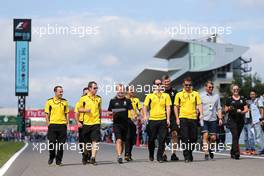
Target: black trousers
(80, 134)
(236, 127)
(57, 135)
(157, 129)
(222, 136)
(131, 138)
(81, 139)
(188, 128)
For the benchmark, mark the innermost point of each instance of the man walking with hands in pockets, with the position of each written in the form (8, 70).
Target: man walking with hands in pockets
(159, 120)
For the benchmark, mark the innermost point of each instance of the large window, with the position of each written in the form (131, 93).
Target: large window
(200, 56)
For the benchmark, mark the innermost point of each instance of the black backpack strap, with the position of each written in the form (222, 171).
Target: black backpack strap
(83, 107)
(149, 103)
(50, 108)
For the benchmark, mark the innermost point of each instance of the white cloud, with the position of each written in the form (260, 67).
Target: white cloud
(255, 3)
(122, 48)
(110, 60)
(244, 4)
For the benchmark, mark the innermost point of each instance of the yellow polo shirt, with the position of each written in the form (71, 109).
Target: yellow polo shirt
(94, 104)
(57, 110)
(157, 103)
(187, 103)
(136, 106)
(76, 110)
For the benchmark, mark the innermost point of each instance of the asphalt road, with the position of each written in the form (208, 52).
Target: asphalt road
(33, 163)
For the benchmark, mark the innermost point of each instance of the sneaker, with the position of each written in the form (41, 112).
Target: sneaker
(232, 156)
(211, 154)
(127, 158)
(191, 158)
(174, 157)
(120, 160)
(206, 157)
(93, 162)
(160, 160)
(84, 159)
(50, 161)
(165, 158)
(151, 158)
(237, 157)
(58, 163)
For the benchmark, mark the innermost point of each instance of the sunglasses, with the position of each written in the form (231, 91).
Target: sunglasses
(158, 84)
(95, 88)
(187, 85)
(211, 87)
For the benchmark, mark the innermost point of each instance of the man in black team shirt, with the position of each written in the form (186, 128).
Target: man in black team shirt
(174, 129)
(119, 107)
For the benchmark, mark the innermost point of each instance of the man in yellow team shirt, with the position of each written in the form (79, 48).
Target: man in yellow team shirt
(91, 107)
(79, 119)
(159, 104)
(132, 129)
(186, 103)
(56, 114)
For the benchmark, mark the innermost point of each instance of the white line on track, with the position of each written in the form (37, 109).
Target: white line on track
(6, 166)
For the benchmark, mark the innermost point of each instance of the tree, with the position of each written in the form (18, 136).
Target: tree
(248, 82)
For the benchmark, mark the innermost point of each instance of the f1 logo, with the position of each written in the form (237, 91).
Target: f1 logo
(22, 29)
(22, 25)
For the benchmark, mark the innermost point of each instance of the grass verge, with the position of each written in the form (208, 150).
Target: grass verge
(8, 149)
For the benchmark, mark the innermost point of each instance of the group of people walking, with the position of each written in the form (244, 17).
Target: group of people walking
(165, 111)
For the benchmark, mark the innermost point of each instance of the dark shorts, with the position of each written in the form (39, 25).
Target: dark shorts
(210, 127)
(91, 133)
(120, 131)
(131, 132)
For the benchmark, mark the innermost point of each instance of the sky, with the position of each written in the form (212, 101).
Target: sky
(120, 40)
